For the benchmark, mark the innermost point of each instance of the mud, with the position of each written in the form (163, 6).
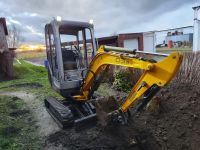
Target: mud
(14, 98)
(10, 131)
(18, 113)
(103, 107)
(94, 138)
(175, 127)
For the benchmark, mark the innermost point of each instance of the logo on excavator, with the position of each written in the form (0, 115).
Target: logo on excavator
(122, 61)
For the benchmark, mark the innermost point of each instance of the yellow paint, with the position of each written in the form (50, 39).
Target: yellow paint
(160, 73)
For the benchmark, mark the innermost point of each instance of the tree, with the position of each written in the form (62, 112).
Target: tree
(13, 38)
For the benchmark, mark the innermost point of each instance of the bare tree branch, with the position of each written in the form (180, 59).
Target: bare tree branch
(13, 37)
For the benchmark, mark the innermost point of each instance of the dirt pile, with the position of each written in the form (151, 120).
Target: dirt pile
(95, 138)
(175, 127)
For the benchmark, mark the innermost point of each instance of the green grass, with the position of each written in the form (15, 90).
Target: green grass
(31, 79)
(17, 132)
(169, 50)
(31, 54)
(32, 75)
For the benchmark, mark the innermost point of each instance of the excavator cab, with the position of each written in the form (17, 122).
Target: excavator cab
(70, 47)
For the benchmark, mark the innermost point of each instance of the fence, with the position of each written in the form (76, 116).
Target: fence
(177, 39)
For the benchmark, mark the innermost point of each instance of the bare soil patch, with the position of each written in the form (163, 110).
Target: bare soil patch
(175, 127)
(45, 123)
(24, 85)
(18, 113)
(10, 131)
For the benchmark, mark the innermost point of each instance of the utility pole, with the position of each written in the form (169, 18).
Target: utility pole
(196, 34)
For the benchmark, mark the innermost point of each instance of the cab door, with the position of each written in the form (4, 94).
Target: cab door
(51, 53)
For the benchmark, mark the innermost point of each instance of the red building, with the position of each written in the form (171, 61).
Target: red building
(144, 41)
(128, 40)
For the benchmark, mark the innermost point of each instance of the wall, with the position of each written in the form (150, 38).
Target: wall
(110, 41)
(129, 36)
(149, 41)
(131, 44)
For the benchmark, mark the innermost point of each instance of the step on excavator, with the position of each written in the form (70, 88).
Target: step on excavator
(76, 67)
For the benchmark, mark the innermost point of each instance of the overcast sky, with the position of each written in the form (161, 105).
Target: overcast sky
(110, 16)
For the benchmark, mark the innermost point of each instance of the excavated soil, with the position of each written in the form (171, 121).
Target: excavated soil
(174, 127)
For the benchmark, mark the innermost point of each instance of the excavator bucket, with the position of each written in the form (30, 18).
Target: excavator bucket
(103, 107)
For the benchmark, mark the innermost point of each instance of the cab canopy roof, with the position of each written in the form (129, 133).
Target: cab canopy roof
(72, 27)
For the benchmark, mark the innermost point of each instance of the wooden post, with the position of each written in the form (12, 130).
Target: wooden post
(6, 64)
(6, 54)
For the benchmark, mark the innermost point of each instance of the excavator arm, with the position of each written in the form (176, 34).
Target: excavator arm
(155, 76)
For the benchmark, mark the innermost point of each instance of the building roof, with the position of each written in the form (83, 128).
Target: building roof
(107, 38)
(3, 21)
(196, 7)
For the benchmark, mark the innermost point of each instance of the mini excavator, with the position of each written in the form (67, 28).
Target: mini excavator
(76, 67)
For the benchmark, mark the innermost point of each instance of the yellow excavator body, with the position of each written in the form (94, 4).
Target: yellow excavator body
(75, 68)
(155, 73)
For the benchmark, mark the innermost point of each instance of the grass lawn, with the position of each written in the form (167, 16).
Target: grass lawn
(30, 54)
(169, 50)
(28, 75)
(17, 129)
(17, 124)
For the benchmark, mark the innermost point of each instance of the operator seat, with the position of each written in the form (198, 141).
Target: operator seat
(69, 59)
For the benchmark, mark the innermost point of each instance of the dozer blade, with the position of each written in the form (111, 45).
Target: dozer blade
(104, 107)
(78, 115)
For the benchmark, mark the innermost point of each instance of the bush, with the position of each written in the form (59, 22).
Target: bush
(122, 80)
(125, 78)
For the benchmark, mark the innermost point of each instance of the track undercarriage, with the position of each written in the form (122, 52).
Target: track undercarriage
(69, 113)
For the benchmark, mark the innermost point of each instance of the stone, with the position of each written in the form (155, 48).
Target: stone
(165, 138)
